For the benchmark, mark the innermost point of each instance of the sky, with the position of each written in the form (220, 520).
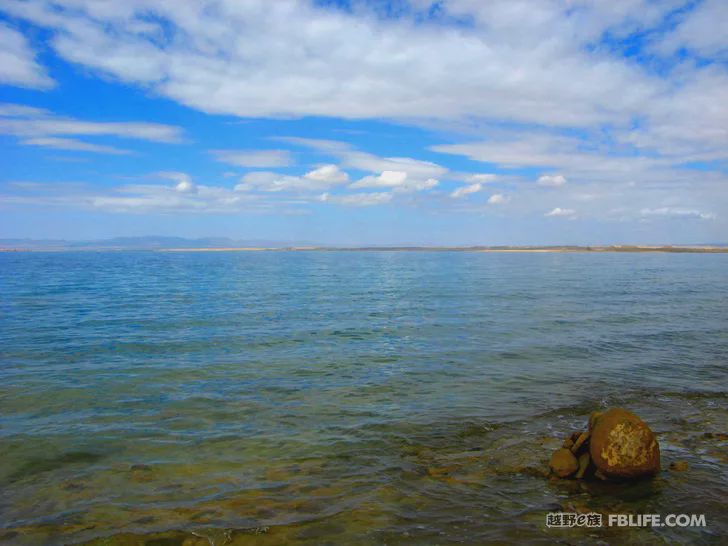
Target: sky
(456, 122)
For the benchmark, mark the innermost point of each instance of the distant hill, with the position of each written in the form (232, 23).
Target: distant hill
(144, 243)
(212, 243)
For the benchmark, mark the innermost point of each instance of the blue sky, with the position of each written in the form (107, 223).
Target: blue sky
(407, 122)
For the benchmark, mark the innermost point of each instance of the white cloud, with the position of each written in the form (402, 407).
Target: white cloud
(364, 161)
(700, 31)
(17, 62)
(254, 158)
(558, 211)
(358, 199)
(677, 212)
(271, 182)
(180, 197)
(412, 185)
(498, 199)
(72, 144)
(481, 178)
(553, 181)
(574, 157)
(330, 174)
(398, 181)
(38, 127)
(388, 179)
(9, 110)
(517, 61)
(514, 82)
(462, 191)
(183, 180)
(316, 180)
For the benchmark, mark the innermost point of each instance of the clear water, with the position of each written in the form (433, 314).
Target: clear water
(350, 397)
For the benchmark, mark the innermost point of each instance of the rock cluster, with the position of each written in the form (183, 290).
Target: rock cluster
(617, 445)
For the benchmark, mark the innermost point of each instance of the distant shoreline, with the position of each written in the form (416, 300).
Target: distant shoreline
(502, 249)
(674, 249)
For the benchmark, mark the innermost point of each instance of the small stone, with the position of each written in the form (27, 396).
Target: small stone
(679, 466)
(623, 446)
(567, 443)
(563, 463)
(583, 437)
(584, 461)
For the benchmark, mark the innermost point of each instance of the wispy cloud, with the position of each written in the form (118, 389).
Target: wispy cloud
(72, 144)
(498, 199)
(388, 179)
(559, 212)
(553, 181)
(513, 62)
(39, 127)
(677, 212)
(318, 179)
(254, 158)
(351, 158)
(462, 191)
(358, 199)
(18, 65)
(538, 99)
(329, 174)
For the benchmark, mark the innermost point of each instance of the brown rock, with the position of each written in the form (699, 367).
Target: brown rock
(593, 419)
(623, 446)
(679, 466)
(567, 443)
(584, 461)
(583, 437)
(563, 463)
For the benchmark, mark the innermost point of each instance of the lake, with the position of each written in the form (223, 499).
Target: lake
(351, 397)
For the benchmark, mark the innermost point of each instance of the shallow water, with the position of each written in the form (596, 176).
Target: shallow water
(350, 397)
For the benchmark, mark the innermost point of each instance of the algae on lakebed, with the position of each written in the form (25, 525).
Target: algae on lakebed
(437, 483)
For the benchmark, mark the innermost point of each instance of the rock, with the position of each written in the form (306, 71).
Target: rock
(584, 461)
(567, 443)
(563, 463)
(593, 419)
(583, 437)
(623, 446)
(679, 466)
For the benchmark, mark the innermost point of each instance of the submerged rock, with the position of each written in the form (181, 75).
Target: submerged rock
(583, 437)
(679, 466)
(563, 463)
(623, 446)
(584, 460)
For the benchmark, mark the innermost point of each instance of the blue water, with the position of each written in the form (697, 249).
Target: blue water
(311, 397)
